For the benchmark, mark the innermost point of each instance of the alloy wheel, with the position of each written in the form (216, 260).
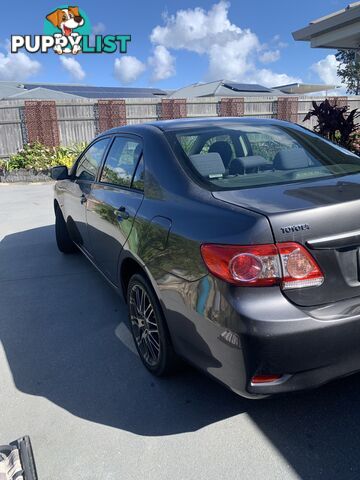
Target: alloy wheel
(144, 325)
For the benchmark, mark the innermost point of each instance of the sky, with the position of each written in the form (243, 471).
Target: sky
(177, 43)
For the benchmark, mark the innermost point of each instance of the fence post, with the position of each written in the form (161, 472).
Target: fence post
(288, 108)
(110, 114)
(41, 122)
(231, 107)
(172, 108)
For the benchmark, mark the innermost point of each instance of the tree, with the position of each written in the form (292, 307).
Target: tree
(349, 70)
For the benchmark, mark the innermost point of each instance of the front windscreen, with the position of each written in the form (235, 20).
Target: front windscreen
(233, 156)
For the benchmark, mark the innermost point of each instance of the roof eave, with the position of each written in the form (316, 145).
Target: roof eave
(348, 16)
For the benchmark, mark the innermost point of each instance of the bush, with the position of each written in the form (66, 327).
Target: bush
(38, 157)
(337, 124)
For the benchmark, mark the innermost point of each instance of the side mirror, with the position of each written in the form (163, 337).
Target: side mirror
(59, 173)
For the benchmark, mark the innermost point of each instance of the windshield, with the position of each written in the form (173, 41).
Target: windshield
(244, 155)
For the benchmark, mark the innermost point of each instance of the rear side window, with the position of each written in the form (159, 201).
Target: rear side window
(138, 180)
(252, 155)
(90, 162)
(121, 161)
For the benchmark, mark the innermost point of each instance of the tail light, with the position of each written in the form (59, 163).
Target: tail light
(287, 264)
(298, 266)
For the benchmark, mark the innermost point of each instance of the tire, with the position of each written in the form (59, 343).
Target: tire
(63, 240)
(149, 329)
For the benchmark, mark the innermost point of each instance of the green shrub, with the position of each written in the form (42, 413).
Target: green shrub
(3, 164)
(38, 157)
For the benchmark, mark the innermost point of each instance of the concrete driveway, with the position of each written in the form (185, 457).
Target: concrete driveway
(70, 378)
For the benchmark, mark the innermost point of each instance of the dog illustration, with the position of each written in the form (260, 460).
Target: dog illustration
(66, 20)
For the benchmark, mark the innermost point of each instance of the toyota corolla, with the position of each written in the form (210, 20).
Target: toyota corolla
(235, 242)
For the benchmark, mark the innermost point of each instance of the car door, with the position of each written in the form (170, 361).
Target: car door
(84, 174)
(114, 201)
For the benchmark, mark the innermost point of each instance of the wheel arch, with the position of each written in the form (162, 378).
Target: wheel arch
(129, 267)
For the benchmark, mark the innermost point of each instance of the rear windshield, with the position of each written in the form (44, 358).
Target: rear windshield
(244, 155)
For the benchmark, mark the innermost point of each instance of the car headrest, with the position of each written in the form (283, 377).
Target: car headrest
(224, 149)
(291, 159)
(208, 164)
(246, 164)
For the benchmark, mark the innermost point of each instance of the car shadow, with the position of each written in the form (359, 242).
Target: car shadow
(65, 336)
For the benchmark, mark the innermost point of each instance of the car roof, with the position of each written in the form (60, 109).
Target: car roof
(184, 123)
(181, 123)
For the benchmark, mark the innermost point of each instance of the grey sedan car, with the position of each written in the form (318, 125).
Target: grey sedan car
(235, 242)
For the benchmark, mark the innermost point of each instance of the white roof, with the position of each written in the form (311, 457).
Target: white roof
(339, 30)
(7, 90)
(41, 93)
(223, 88)
(304, 88)
(226, 88)
(325, 17)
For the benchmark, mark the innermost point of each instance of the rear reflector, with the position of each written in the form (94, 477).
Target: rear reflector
(287, 264)
(256, 379)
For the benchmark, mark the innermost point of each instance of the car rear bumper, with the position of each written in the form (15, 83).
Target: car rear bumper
(309, 347)
(242, 332)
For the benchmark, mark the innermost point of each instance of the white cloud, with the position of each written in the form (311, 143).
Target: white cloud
(162, 63)
(233, 52)
(196, 29)
(269, 78)
(327, 70)
(270, 56)
(276, 40)
(17, 66)
(127, 69)
(232, 61)
(73, 67)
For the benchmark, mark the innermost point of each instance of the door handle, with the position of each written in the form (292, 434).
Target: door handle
(121, 212)
(83, 199)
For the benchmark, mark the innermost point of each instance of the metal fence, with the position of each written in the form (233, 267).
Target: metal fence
(69, 122)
